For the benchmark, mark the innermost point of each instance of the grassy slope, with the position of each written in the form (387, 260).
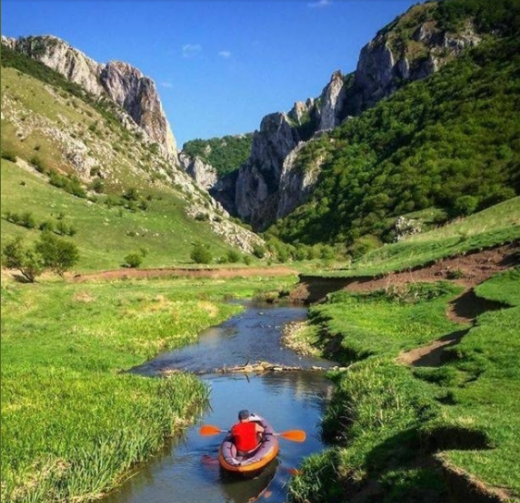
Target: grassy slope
(164, 228)
(72, 424)
(492, 226)
(104, 234)
(383, 412)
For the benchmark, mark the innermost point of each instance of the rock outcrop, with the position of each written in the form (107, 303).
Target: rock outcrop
(332, 102)
(204, 175)
(121, 82)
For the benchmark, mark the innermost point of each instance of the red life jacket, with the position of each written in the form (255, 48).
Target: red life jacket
(244, 436)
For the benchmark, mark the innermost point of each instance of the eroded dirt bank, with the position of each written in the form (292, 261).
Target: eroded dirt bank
(467, 270)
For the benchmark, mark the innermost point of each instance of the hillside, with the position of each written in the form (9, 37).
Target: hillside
(423, 41)
(224, 154)
(66, 154)
(450, 141)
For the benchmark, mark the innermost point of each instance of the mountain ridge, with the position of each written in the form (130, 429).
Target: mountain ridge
(414, 46)
(121, 82)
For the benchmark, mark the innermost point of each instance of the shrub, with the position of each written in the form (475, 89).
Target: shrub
(38, 164)
(258, 250)
(327, 252)
(8, 155)
(233, 256)
(201, 254)
(57, 254)
(27, 220)
(133, 260)
(26, 260)
(247, 259)
(98, 186)
(46, 226)
(14, 218)
(362, 246)
(464, 206)
(62, 228)
(131, 194)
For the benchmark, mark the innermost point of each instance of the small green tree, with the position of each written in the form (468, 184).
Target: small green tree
(26, 260)
(57, 254)
(201, 254)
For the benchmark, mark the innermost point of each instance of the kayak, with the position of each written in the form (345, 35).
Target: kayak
(254, 461)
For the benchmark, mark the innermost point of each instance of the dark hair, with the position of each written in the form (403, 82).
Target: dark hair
(243, 414)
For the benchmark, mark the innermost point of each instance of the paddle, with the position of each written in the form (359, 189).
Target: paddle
(292, 435)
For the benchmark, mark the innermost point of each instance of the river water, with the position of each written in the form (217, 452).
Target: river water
(187, 470)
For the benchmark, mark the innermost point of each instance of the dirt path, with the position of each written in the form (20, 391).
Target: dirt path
(229, 272)
(463, 309)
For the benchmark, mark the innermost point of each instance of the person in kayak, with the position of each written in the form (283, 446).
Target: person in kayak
(247, 433)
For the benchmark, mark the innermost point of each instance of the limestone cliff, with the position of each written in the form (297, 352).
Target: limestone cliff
(121, 82)
(258, 181)
(411, 48)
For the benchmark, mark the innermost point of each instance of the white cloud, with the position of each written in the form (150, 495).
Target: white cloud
(320, 3)
(224, 54)
(166, 84)
(191, 50)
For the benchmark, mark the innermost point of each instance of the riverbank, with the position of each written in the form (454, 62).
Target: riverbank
(418, 433)
(73, 422)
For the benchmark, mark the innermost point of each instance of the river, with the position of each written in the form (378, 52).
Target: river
(187, 470)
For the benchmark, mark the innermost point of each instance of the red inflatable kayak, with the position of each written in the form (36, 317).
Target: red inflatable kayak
(252, 462)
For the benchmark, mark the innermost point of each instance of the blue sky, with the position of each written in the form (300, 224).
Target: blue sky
(219, 66)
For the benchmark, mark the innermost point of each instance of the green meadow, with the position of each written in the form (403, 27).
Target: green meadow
(74, 422)
(395, 428)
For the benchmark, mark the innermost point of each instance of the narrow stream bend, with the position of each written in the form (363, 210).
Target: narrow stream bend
(187, 471)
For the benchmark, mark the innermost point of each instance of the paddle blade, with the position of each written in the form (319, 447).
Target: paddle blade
(294, 435)
(208, 429)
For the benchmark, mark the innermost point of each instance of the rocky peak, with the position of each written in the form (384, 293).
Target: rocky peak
(332, 100)
(121, 82)
(301, 110)
(387, 62)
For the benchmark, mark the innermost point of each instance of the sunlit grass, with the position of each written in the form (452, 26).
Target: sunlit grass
(73, 420)
(386, 417)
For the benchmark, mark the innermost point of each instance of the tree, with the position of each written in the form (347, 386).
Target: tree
(57, 254)
(16, 256)
(201, 254)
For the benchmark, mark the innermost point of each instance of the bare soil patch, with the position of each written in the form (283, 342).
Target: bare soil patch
(237, 272)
